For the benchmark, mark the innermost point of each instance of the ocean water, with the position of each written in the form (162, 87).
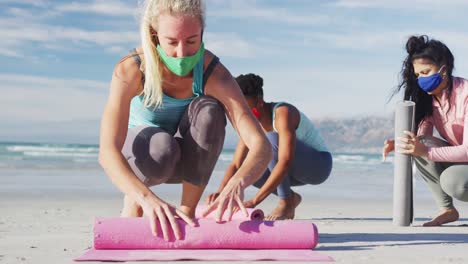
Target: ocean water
(48, 169)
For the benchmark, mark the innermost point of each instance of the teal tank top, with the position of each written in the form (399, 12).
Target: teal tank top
(167, 116)
(306, 131)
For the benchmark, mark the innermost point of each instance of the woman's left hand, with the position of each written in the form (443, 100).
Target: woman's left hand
(230, 197)
(411, 145)
(250, 204)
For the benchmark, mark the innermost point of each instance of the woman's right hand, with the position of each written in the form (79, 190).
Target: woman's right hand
(389, 146)
(158, 210)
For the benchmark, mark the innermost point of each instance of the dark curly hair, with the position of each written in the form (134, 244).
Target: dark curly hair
(250, 84)
(421, 47)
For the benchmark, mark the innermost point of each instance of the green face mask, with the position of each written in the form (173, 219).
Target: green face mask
(181, 66)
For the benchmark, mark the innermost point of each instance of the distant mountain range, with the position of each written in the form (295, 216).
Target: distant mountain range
(349, 135)
(356, 135)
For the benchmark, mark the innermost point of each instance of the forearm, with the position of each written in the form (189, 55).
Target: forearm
(231, 170)
(275, 178)
(121, 175)
(255, 163)
(426, 128)
(448, 154)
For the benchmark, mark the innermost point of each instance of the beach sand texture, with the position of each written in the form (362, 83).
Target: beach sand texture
(58, 229)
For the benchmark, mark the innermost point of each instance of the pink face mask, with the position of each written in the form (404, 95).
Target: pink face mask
(256, 112)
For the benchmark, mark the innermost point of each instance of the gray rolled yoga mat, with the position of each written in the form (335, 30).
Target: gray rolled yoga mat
(402, 182)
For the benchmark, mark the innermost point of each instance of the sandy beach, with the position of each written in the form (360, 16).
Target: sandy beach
(57, 228)
(48, 206)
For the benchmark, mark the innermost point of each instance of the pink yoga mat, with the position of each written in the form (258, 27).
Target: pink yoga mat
(254, 214)
(126, 239)
(204, 254)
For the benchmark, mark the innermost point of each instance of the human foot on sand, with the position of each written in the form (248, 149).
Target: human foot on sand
(285, 208)
(446, 216)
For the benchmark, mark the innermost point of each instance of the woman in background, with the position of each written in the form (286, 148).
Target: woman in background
(441, 102)
(300, 155)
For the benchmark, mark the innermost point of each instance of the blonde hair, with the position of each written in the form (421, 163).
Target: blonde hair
(151, 63)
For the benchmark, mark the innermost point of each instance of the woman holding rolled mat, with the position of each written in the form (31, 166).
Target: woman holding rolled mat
(441, 102)
(164, 121)
(300, 155)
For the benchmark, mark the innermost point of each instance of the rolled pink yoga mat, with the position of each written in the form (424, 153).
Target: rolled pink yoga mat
(127, 239)
(135, 233)
(254, 214)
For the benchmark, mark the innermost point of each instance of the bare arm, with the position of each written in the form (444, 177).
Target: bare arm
(124, 86)
(415, 147)
(238, 159)
(224, 88)
(287, 119)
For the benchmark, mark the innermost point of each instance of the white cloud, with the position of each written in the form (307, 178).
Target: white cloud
(36, 26)
(116, 49)
(101, 7)
(46, 34)
(31, 14)
(37, 3)
(356, 39)
(242, 9)
(333, 92)
(68, 38)
(36, 98)
(102, 38)
(19, 33)
(400, 4)
(382, 40)
(8, 52)
(44, 82)
(19, 36)
(229, 44)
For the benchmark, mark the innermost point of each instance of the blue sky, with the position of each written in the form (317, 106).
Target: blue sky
(332, 59)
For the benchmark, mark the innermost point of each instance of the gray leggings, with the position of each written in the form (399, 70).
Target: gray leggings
(445, 179)
(310, 166)
(156, 156)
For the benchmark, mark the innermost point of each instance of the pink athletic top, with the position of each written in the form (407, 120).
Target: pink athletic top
(450, 125)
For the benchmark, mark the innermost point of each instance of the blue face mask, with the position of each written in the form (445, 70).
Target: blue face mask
(430, 83)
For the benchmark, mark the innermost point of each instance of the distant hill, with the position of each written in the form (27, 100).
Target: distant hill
(357, 135)
(350, 135)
